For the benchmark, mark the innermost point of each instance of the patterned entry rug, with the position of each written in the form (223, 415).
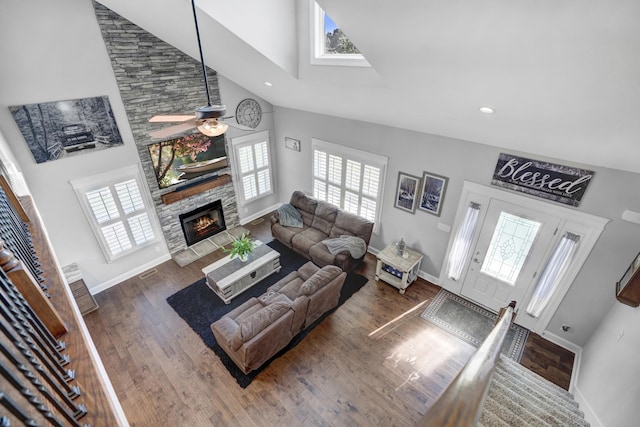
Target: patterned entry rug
(472, 323)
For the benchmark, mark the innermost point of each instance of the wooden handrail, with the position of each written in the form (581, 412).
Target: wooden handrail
(460, 405)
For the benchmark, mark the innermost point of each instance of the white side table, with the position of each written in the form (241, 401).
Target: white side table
(398, 270)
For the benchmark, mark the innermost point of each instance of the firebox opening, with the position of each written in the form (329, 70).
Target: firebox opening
(203, 222)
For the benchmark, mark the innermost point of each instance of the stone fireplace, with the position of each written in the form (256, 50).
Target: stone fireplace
(203, 222)
(154, 78)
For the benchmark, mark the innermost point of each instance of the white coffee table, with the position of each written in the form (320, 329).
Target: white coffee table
(229, 277)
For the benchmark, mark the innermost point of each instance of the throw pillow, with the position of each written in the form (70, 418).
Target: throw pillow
(290, 216)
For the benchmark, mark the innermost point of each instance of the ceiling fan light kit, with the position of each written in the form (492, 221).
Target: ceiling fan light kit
(212, 127)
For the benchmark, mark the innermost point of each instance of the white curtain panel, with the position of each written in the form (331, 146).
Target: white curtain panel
(462, 243)
(553, 272)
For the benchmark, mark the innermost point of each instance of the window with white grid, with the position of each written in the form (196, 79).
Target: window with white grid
(117, 210)
(350, 179)
(253, 166)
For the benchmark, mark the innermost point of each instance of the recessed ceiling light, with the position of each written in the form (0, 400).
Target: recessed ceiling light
(268, 84)
(487, 110)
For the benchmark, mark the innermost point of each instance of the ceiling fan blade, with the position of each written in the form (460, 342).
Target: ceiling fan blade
(167, 118)
(172, 130)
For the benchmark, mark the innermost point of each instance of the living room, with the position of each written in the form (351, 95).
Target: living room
(70, 61)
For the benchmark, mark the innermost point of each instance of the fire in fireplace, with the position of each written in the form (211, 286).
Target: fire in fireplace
(203, 222)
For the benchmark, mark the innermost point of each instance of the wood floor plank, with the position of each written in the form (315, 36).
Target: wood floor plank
(373, 361)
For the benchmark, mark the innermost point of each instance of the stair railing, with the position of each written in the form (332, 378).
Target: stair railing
(460, 405)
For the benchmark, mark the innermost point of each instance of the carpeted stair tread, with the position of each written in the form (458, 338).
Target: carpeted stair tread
(519, 397)
(489, 419)
(524, 385)
(509, 412)
(556, 408)
(524, 374)
(545, 409)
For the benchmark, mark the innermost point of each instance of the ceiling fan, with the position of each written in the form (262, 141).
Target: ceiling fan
(209, 119)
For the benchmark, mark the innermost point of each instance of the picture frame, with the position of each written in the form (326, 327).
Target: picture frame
(292, 144)
(67, 128)
(407, 192)
(432, 193)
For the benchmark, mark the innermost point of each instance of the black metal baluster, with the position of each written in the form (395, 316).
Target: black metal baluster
(53, 378)
(31, 397)
(16, 410)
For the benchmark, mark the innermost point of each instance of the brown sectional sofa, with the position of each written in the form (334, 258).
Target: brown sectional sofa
(321, 221)
(258, 329)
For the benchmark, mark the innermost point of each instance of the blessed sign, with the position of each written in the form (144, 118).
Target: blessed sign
(559, 183)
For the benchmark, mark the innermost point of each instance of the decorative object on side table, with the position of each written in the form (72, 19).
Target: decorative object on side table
(432, 194)
(400, 246)
(241, 247)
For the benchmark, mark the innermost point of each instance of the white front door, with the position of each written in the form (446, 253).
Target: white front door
(511, 247)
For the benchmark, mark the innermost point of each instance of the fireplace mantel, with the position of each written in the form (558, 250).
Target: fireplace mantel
(191, 190)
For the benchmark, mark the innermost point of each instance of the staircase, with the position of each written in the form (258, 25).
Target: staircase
(519, 397)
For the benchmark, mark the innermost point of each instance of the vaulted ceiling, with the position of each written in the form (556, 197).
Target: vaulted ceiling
(562, 76)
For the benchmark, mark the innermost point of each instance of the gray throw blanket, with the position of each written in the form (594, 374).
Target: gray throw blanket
(355, 245)
(290, 216)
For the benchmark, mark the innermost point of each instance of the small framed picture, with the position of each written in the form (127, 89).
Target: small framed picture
(292, 144)
(407, 192)
(432, 193)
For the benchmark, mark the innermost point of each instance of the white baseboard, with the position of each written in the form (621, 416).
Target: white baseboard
(257, 215)
(129, 274)
(589, 414)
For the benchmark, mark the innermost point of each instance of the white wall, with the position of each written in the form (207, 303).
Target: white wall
(610, 193)
(610, 369)
(54, 51)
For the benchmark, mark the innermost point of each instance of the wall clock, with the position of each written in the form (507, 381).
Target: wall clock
(249, 113)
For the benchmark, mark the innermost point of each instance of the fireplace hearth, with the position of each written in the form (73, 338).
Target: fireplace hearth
(203, 222)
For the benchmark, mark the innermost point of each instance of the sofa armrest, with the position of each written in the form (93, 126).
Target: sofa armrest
(275, 217)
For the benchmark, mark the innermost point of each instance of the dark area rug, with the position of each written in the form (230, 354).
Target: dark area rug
(199, 306)
(472, 323)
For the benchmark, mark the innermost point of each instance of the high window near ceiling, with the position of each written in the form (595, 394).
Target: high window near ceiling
(118, 211)
(350, 179)
(330, 45)
(252, 161)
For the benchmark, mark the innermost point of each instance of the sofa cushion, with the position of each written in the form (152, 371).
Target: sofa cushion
(306, 205)
(320, 255)
(321, 278)
(351, 225)
(284, 234)
(290, 290)
(307, 270)
(307, 238)
(325, 217)
(250, 326)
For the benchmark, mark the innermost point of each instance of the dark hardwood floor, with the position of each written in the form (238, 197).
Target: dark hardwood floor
(374, 361)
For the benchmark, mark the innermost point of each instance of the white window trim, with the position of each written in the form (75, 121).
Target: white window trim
(348, 153)
(82, 186)
(236, 144)
(317, 38)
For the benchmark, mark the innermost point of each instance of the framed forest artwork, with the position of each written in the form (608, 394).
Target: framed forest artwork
(432, 193)
(60, 129)
(407, 192)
